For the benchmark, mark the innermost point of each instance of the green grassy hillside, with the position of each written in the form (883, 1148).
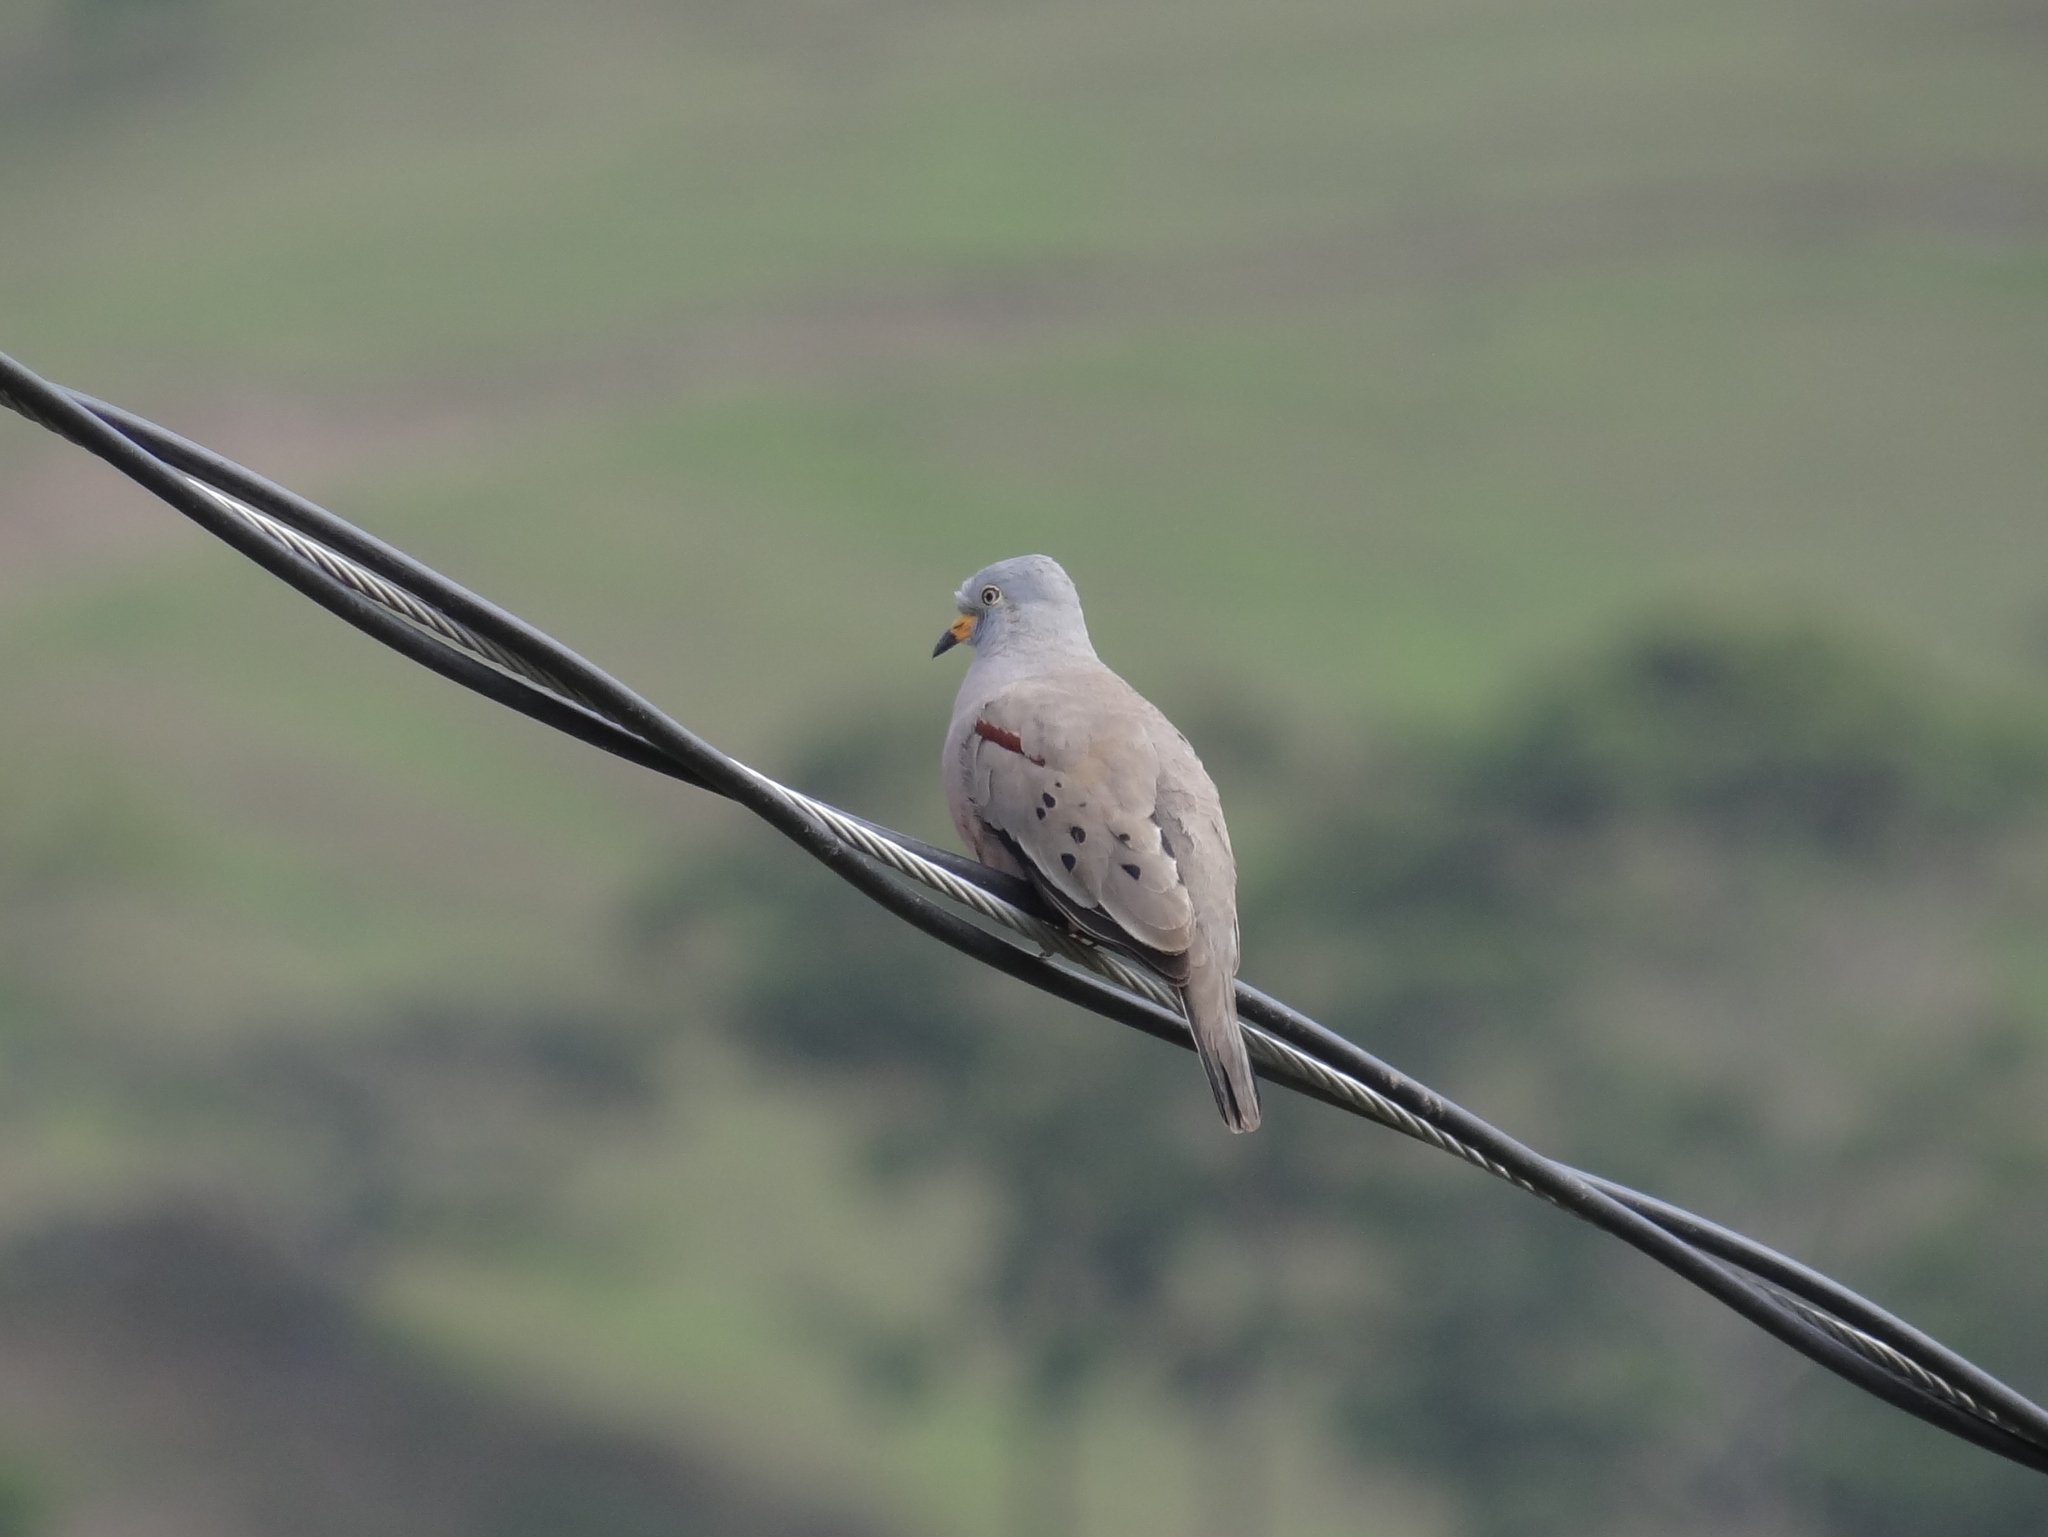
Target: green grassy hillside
(1362, 359)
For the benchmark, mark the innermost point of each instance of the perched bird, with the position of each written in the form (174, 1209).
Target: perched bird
(1059, 771)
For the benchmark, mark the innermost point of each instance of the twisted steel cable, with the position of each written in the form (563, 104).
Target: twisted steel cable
(998, 920)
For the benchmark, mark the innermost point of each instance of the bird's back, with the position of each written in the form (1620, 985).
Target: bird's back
(1059, 770)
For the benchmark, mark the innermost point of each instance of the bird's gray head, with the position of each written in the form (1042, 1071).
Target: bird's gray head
(1026, 601)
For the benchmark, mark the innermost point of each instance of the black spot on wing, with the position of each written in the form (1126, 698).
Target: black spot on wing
(1067, 860)
(1093, 921)
(1131, 871)
(1077, 835)
(1049, 801)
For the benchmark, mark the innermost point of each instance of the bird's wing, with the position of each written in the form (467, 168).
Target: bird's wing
(1066, 769)
(1089, 790)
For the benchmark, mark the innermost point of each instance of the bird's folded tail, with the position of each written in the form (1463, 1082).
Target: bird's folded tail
(1210, 999)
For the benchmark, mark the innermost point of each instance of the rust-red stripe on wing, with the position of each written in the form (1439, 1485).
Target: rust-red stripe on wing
(1009, 741)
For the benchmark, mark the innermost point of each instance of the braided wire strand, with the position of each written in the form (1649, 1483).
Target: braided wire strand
(414, 610)
(1895, 1361)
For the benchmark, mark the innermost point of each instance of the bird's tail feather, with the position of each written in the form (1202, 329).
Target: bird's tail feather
(1210, 1000)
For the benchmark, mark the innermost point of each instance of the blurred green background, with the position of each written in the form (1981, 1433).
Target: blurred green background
(1574, 468)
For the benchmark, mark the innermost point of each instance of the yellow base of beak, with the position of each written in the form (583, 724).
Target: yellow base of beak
(956, 632)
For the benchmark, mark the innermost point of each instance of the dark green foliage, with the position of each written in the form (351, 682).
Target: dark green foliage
(1715, 913)
(23, 1501)
(1771, 735)
(294, 1411)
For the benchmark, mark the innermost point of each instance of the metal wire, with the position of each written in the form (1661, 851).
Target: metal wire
(998, 920)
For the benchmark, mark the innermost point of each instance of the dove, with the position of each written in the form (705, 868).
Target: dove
(1059, 771)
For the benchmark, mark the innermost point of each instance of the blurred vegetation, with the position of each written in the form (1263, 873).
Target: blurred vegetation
(1373, 366)
(1714, 912)
(286, 1408)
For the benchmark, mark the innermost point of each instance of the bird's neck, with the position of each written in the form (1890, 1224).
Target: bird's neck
(1017, 659)
(1022, 648)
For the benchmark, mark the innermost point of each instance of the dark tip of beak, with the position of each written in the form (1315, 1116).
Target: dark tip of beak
(946, 643)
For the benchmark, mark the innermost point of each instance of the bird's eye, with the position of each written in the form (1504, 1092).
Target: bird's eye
(991, 595)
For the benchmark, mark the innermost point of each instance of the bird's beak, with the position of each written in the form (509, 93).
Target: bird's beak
(956, 632)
